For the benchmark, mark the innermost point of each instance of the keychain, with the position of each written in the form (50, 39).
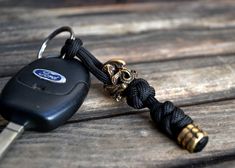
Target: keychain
(121, 82)
(46, 93)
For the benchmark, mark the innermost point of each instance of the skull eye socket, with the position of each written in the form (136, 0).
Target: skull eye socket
(126, 75)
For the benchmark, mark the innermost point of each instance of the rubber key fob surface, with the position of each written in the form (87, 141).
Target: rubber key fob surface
(46, 93)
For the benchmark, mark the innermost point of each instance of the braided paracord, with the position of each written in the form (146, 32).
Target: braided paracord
(121, 82)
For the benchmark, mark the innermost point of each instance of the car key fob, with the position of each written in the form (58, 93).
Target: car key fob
(45, 93)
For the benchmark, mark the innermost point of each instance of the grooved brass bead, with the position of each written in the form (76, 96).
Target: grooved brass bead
(190, 137)
(120, 77)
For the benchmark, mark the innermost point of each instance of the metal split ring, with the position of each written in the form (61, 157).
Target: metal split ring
(53, 35)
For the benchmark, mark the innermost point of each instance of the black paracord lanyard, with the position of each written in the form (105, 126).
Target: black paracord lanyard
(122, 82)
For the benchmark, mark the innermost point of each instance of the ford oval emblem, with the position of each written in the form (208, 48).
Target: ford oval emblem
(49, 75)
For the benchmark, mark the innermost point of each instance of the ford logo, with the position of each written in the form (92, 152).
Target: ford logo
(49, 75)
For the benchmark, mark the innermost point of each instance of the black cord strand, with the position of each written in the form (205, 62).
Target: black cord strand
(139, 94)
(74, 48)
(170, 119)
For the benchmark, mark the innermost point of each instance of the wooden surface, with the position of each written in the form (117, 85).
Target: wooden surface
(185, 49)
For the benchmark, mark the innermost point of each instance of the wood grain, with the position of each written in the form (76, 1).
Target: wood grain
(64, 3)
(25, 22)
(133, 31)
(224, 164)
(185, 82)
(152, 46)
(185, 49)
(126, 141)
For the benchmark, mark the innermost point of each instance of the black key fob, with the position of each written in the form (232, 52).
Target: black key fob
(45, 93)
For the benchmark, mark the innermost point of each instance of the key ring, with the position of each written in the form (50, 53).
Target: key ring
(53, 35)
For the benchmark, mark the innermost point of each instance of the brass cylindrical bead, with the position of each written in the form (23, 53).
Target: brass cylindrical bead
(192, 138)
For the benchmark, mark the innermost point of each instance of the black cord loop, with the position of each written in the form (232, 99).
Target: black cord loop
(74, 48)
